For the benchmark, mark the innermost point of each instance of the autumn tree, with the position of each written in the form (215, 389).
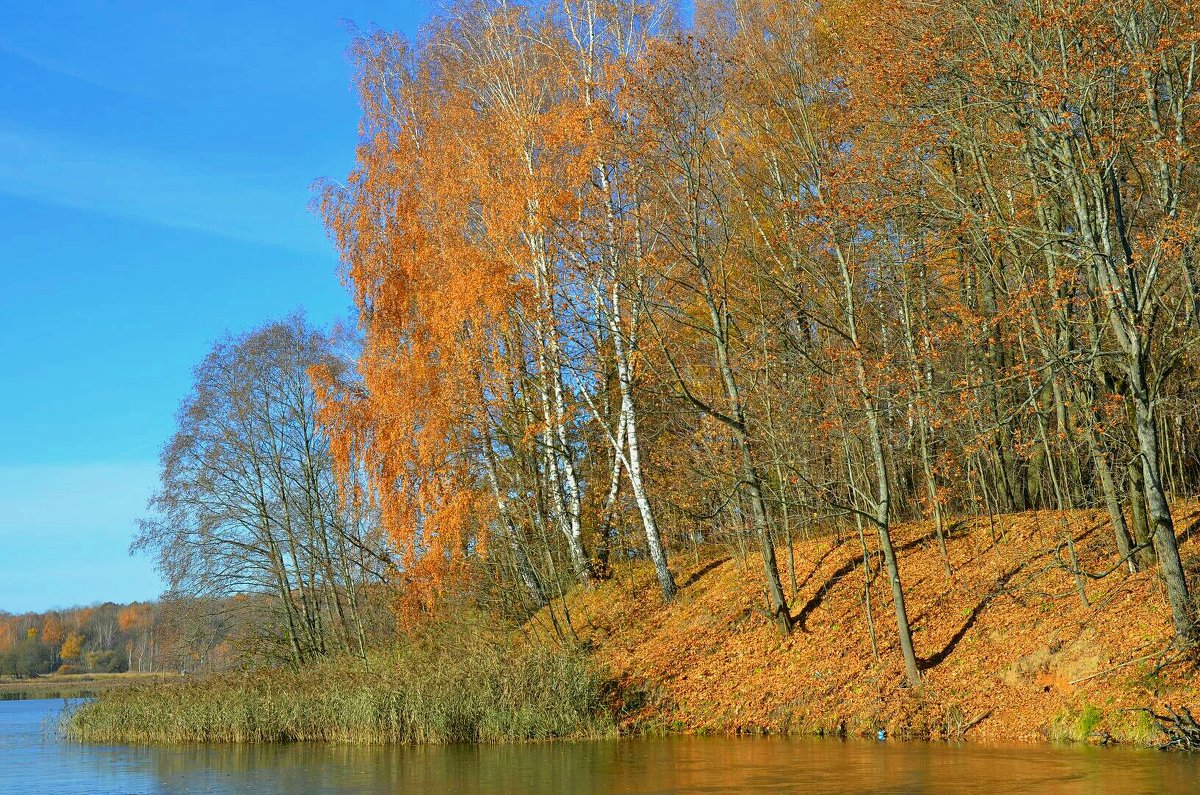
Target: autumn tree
(72, 647)
(247, 502)
(52, 630)
(837, 263)
(1068, 126)
(699, 282)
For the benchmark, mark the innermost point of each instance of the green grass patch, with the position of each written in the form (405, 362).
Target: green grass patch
(1076, 726)
(1136, 727)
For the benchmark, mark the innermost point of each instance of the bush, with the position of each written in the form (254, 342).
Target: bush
(29, 658)
(104, 662)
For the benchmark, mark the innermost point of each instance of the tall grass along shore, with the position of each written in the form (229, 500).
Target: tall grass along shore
(418, 693)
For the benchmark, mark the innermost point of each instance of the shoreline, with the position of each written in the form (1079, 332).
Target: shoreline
(55, 686)
(1009, 652)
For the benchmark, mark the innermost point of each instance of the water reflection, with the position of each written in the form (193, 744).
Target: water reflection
(32, 760)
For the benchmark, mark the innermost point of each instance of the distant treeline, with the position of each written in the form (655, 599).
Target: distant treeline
(177, 634)
(111, 638)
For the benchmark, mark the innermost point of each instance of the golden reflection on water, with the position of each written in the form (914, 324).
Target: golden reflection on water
(684, 765)
(32, 760)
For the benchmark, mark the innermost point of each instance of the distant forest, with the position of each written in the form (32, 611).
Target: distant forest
(110, 638)
(174, 635)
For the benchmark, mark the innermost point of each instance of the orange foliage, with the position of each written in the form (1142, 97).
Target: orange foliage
(435, 229)
(133, 617)
(52, 630)
(72, 647)
(912, 247)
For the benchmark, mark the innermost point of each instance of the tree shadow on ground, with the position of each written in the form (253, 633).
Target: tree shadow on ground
(998, 588)
(816, 566)
(705, 570)
(800, 619)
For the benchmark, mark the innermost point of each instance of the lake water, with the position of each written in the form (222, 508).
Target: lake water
(34, 760)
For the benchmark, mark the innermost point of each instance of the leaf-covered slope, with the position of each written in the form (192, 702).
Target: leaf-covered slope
(1008, 649)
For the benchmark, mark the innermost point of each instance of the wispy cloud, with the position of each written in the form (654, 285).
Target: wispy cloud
(55, 67)
(160, 190)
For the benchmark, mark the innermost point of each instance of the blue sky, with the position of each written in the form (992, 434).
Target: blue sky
(155, 168)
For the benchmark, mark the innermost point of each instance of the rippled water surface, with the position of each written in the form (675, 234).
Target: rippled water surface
(33, 760)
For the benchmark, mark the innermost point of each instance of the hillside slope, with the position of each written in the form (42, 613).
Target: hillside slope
(1008, 649)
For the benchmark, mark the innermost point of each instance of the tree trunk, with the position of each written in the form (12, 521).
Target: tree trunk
(1112, 500)
(1137, 511)
(525, 570)
(658, 553)
(1163, 526)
